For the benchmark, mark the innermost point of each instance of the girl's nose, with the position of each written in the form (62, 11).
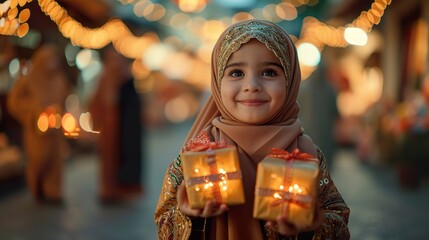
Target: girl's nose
(252, 84)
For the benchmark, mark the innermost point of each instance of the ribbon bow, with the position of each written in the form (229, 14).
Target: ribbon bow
(295, 154)
(202, 143)
(289, 197)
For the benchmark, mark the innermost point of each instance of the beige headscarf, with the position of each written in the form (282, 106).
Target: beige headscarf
(283, 130)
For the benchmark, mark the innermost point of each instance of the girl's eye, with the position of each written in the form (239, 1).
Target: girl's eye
(269, 73)
(236, 73)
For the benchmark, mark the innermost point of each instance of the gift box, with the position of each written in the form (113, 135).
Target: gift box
(286, 185)
(213, 174)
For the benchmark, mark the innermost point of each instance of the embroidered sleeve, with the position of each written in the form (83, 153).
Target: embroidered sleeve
(335, 225)
(171, 222)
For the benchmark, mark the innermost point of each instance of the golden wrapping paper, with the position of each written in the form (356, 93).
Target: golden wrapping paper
(213, 175)
(288, 188)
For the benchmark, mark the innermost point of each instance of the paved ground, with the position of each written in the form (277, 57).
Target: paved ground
(380, 209)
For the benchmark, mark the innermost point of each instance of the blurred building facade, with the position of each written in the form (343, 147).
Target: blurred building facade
(382, 91)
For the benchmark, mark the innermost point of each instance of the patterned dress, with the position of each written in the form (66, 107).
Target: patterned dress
(173, 224)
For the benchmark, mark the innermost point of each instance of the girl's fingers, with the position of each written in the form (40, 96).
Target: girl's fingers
(212, 209)
(182, 201)
(285, 227)
(282, 226)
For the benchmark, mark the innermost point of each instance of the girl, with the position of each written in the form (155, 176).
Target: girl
(255, 83)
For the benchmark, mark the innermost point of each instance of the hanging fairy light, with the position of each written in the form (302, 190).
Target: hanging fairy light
(355, 36)
(191, 6)
(13, 21)
(308, 54)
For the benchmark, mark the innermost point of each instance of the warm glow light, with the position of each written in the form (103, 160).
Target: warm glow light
(13, 22)
(156, 55)
(23, 30)
(84, 58)
(12, 13)
(177, 110)
(43, 122)
(286, 11)
(116, 32)
(212, 29)
(191, 5)
(69, 122)
(177, 66)
(308, 54)
(57, 121)
(269, 13)
(52, 120)
(156, 14)
(241, 16)
(85, 122)
(139, 70)
(24, 15)
(4, 6)
(355, 36)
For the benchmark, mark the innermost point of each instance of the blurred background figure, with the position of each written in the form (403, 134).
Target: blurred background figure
(319, 112)
(115, 107)
(36, 100)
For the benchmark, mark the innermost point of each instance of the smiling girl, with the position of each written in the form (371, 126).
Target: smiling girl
(255, 83)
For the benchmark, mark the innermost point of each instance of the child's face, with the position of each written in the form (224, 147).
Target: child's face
(253, 86)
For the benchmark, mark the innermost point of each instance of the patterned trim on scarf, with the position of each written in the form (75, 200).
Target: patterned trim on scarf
(274, 39)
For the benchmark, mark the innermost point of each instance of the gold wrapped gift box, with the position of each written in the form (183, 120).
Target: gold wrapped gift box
(213, 175)
(286, 187)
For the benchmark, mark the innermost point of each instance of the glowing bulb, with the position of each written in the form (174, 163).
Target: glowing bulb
(355, 36)
(308, 54)
(43, 122)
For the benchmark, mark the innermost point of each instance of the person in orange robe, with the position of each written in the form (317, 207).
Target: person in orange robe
(115, 110)
(43, 89)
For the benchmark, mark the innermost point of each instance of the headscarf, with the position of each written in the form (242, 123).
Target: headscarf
(283, 130)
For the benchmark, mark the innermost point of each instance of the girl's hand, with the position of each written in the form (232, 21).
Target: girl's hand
(211, 208)
(282, 226)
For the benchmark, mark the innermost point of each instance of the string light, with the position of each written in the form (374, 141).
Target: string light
(116, 32)
(12, 20)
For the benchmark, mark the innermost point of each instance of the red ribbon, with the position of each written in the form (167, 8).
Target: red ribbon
(287, 199)
(200, 147)
(294, 155)
(203, 143)
(296, 198)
